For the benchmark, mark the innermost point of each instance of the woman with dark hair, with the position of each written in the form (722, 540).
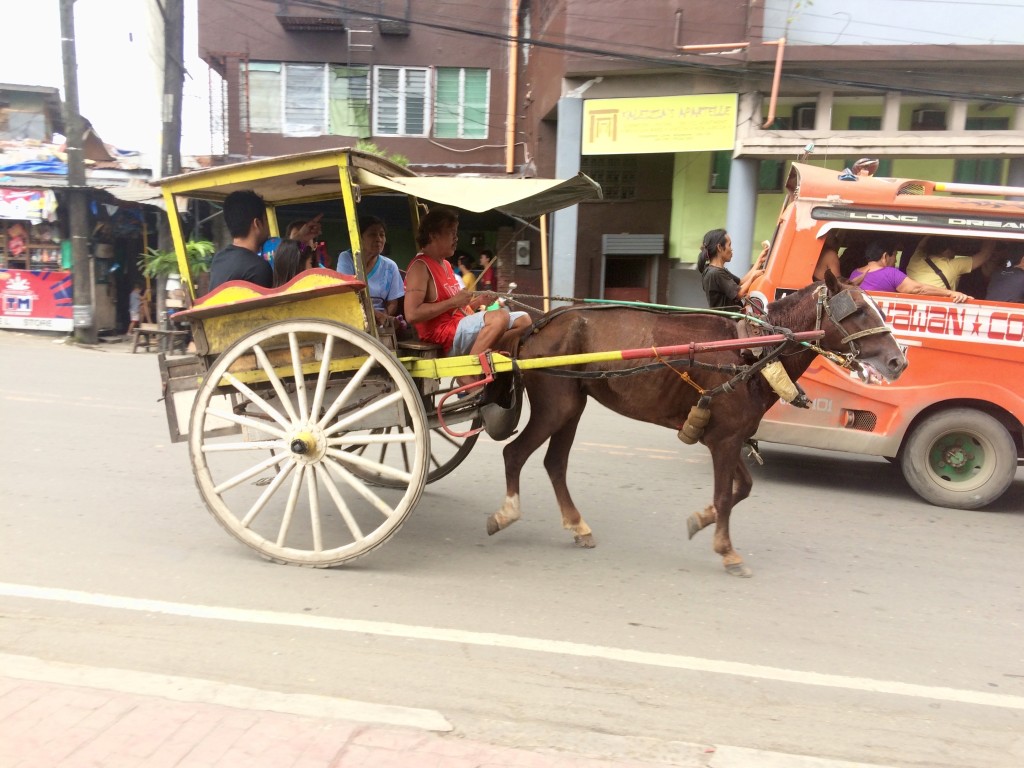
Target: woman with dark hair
(881, 274)
(290, 258)
(721, 287)
(383, 278)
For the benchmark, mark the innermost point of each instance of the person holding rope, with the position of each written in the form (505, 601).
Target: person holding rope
(461, 321)
(721, 287)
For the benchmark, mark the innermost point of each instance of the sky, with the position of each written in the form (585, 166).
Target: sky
(119, 75)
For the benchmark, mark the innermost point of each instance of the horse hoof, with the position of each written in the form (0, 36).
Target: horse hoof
(739, 569)
(693, 526)
(492, 526)
(586, 541)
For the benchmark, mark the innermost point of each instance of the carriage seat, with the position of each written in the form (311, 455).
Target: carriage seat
(241, 295)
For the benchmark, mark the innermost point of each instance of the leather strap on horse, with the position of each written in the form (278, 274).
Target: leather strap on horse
(684, 375)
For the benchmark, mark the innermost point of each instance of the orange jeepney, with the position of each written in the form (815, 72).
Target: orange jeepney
(953, 421)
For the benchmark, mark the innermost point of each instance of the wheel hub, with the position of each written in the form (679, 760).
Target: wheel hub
(307, 445)
(954, 455)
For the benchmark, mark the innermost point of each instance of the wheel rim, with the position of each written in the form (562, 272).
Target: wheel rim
(290, 485)
(961, 460)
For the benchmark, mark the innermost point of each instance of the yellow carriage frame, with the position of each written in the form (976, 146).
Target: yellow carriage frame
(258, 351)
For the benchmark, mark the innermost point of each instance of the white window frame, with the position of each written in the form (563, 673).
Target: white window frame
(324, 100)
(428, 107)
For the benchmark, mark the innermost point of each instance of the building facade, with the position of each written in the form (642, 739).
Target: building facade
(687, 114)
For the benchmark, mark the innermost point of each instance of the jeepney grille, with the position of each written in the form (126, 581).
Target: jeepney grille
(865, 421)
(911, 188)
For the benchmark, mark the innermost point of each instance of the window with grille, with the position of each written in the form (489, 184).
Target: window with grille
(400, 101)
(304, 99)
(770, 175)
(981, 170)
(615, 173)
(462, 97)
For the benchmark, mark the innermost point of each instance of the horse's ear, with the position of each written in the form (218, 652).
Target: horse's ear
(832, 282)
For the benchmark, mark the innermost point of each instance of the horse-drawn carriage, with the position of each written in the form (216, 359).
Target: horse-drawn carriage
(312, 435)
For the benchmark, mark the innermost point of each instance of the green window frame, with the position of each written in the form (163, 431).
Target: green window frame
(982, 170)
(461, 103)
(770, 174)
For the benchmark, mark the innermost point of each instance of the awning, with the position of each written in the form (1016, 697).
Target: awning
(517, 197)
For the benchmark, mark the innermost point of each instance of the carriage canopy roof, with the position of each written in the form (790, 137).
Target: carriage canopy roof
(318, 176)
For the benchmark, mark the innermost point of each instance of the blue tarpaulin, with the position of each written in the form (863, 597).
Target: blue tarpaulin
(37, 166)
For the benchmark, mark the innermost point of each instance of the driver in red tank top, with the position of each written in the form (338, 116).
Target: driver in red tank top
(438, 305)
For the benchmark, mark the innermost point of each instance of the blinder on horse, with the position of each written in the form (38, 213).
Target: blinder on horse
(838, 308)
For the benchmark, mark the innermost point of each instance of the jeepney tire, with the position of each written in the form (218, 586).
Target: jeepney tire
(984, 459)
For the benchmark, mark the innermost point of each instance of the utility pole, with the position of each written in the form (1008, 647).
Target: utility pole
(84, 309)
(173, 12)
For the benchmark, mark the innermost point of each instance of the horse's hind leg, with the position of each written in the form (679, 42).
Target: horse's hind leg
(556, 462)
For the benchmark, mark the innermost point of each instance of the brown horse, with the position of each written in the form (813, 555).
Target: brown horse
(854, 331)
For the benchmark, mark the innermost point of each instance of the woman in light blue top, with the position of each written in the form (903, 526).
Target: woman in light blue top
(383, 277)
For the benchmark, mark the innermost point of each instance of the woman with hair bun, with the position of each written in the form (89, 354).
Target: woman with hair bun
(721, 287)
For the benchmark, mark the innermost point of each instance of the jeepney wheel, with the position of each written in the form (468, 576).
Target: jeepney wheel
(961, 458)
(270, 448)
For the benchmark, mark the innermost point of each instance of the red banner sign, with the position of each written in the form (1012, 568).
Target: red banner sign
(35, 300)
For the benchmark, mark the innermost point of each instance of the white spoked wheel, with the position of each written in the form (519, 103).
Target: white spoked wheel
(272, 434)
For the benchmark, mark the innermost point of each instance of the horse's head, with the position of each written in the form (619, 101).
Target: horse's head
(855, 329)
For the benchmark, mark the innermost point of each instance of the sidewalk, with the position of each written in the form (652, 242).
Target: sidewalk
(50, 725)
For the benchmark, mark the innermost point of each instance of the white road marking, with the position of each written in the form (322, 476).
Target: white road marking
(536, 645)
(195, 690)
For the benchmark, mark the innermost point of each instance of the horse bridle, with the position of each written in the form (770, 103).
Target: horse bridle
(837, 308)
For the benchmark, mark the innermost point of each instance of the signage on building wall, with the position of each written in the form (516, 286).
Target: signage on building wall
(699, 123)
(39, 300)
(32, 204)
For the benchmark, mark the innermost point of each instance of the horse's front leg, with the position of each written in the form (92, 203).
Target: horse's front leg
(741, 485)
(732, 480)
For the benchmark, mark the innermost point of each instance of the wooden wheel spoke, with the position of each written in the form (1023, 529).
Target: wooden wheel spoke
(323, 378)
(252, 471)
(275, 382)
(289, 508)
(314, 510)
(254, 445)
(246, 421)
(347, 392)
(360, 487)
(339, 502)
(269, 491)
(258, 401)
(300, 381)
(368, 464)
(369, 410)
(364, 440)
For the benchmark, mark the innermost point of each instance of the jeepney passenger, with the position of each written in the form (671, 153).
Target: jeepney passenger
(1008, 284)
(881, 274)
(935, 262)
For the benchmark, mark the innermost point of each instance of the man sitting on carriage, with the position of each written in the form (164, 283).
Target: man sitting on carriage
(441, 309)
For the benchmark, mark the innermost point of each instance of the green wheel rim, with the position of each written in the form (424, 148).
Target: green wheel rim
(960, 459)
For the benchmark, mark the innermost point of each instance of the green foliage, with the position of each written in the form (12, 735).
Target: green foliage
(372, 149)
(157, 263)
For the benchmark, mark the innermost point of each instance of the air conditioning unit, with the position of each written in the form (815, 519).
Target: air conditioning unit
(803, 116)
(522, 253)
(928, 120)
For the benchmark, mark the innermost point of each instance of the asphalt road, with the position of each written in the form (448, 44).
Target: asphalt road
(876, 629)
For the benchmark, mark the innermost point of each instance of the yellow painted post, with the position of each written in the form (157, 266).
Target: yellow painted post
(348, 197)
(179, 240)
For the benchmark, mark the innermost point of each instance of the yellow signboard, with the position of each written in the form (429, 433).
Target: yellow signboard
(659, 124)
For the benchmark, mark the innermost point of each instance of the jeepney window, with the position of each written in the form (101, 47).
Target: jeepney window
(770, 174)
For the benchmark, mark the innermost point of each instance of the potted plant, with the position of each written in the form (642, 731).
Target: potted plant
(162, 266)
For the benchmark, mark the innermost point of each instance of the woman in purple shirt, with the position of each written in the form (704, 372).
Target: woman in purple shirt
(881, 274)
